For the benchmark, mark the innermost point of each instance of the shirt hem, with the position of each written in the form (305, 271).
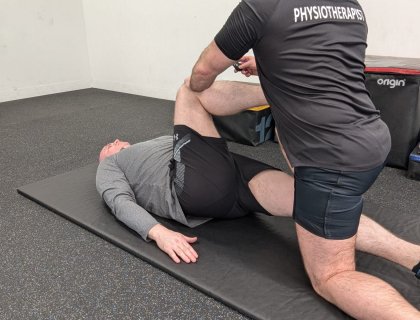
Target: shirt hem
(338, 167)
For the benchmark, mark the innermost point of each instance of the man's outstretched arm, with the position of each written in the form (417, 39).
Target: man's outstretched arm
(115, 190)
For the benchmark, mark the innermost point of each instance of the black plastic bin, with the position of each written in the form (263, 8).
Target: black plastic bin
(394, 85)
(414, 164)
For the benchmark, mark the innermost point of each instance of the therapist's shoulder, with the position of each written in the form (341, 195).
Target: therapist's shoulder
(262, 7)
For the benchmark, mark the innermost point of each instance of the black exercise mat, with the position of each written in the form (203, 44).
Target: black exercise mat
(251, 264)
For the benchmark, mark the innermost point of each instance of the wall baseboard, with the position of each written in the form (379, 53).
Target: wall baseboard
(131, 88)
(41, 90)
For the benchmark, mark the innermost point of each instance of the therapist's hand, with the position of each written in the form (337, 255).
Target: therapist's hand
(174, 244)
(248, 66)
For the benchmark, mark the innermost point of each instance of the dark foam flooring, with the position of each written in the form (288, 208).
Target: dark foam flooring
(51, 268)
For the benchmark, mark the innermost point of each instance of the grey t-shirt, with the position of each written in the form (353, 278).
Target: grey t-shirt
(135, 182)
(310, 58)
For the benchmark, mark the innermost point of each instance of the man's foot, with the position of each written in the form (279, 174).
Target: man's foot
(416, 270)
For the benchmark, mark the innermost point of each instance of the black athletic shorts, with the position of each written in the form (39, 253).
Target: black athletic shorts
(328, 202)
(209, 180)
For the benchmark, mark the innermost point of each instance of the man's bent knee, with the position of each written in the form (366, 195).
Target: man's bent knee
(184, 92)
(322, 284)
(325, 259)
(323, 280)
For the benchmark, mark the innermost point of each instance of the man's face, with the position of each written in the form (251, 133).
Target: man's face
(112, 148)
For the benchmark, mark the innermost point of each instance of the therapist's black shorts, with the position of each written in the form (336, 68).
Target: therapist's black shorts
(209, 180)
(329, 203)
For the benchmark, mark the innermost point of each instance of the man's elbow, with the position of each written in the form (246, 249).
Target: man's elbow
(201, 78)
(203, 71)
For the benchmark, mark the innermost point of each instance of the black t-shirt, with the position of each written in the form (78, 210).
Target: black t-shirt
(310, 57)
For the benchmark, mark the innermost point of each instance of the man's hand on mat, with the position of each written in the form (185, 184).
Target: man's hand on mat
(248, 66)
(175, 244)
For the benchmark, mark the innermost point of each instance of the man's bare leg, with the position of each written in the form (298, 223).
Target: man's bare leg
(375, 239)
(226, 97)
(330, 265)
(189, 112)
(230, 97)
(371, 236)
(275, 192)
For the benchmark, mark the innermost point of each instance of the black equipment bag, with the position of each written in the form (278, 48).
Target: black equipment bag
(251, 127)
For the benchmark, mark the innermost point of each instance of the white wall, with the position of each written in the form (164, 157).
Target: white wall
(394, 28)
(142, 47)
(149, 47)
(43, 48)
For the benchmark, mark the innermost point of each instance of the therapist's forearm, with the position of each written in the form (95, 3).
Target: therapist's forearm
(203, 75)
(209, 65)
(201, 81)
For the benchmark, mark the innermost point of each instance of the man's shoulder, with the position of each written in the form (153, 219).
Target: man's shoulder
(107, 162)
(150, 144)
(265, 9)
(162, 139)
(265, 6)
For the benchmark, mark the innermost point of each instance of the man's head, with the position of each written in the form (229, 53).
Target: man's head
(112, 148)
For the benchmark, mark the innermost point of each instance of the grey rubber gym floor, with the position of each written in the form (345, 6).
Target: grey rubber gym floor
(51, 268)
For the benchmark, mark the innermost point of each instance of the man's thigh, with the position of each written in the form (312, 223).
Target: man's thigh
(327, 209)
(329, 203)
(258, 181)
(324, 258)
(231, 97)
(274, 191)
(189, 112)
(222, 98)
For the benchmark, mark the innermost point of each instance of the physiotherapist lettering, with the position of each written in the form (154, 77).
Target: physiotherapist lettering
(312, 13)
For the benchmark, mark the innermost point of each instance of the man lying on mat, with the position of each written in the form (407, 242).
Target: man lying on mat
(192, 177)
